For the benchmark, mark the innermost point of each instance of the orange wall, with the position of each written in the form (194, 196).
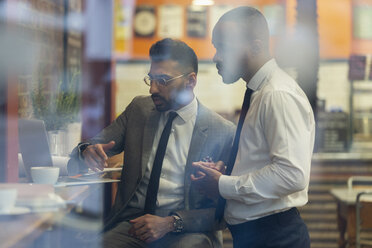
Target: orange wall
(334, 22)
(334, 26)
(202, 46)
(336, 29)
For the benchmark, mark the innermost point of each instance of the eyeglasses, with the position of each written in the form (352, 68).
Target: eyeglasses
(160, 81)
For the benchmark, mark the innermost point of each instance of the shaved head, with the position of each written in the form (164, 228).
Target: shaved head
(252, 25)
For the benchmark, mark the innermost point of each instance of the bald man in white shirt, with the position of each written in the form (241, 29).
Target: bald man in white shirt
(270, 169)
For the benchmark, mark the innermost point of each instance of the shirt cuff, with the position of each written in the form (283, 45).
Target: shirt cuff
(226, 186)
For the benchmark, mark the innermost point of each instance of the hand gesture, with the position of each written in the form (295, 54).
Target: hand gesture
(207, 177)
(95, 155)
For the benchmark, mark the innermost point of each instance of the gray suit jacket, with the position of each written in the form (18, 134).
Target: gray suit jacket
(133, 132)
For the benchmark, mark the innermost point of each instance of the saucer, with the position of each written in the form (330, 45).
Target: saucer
(17, 211)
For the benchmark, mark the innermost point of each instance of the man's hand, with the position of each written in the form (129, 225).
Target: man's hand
(149, 227)
(207, 177)
(219, 166)
(95, 155)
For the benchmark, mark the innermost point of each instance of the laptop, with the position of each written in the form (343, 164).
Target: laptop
(34, 147)
(33, 144)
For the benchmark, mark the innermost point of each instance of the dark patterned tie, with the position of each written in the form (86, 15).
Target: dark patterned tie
(153, 187)
(234, 150)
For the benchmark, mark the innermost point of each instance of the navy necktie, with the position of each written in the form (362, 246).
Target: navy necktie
(234, 150)
(153, 187)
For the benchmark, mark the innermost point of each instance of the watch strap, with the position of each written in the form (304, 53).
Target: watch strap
(177, 224)
(81, 149)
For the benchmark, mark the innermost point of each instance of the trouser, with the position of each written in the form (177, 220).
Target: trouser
(118, 237)
(284, 229)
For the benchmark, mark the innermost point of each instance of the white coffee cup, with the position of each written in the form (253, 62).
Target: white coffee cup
(7, 199)
(45, 175)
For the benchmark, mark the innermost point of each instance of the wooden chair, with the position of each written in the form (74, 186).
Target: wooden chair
(364, 219)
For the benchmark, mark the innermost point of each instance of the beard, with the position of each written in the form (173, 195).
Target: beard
(161, 104)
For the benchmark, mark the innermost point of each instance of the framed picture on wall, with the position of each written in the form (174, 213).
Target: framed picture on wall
(171, 21)
(357, 67)
(362, 22)
(370, 67)
(196, 25)
(123, 18)
(144, 23)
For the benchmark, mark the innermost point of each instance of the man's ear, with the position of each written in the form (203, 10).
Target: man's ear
(191, 80)
(256, 47)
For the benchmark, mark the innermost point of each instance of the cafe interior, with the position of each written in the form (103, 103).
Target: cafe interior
(70, 67)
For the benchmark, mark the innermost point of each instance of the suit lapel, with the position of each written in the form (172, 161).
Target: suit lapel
(197, 143)
(148, 138)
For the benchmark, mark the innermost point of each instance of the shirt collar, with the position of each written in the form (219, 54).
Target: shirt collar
(260, 76)
(188, 111)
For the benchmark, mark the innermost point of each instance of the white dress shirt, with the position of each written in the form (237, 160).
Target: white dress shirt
(172, 177)
(272, 167)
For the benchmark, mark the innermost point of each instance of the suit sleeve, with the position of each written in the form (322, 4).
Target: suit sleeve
(115, 131)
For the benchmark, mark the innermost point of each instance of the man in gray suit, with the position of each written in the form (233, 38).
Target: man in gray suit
(182, 216)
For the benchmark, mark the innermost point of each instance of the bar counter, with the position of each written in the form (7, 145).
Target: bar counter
(342, 157)
(331, 171)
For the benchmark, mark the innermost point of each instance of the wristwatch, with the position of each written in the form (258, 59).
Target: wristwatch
(81, 148)
(177, 224)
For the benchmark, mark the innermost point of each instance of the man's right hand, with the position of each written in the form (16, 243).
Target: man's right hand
(207, 182)
(218, 166)
(201, 179)
(95, 155)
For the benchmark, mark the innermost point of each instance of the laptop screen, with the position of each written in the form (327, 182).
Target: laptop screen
(34, 145)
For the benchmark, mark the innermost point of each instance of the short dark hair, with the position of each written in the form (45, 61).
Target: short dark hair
(170, 49)
(253, 24)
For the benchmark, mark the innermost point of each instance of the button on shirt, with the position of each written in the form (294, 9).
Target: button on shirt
(172, 177)
(272, 167)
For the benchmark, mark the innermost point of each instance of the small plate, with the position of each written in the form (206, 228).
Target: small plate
(17, 211)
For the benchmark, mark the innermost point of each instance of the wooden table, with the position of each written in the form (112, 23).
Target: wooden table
(346, 213)
(23, 230)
